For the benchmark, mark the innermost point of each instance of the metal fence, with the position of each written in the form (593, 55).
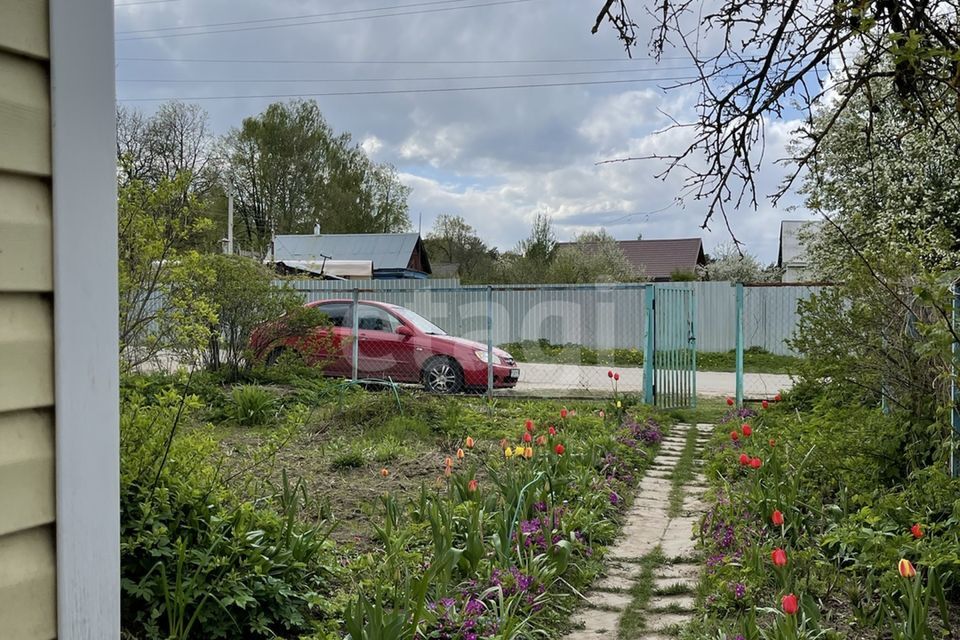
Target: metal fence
(561, 339)
(603, 316)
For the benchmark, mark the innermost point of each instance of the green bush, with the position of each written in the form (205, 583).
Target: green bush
(196, 561)
(252, 406)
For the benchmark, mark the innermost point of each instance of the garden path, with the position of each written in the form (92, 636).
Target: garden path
(647, 593)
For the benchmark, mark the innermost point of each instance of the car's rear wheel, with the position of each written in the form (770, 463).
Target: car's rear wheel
(442, 375)
(283, 353)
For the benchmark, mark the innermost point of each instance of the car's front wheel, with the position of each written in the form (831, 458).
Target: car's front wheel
(442, 375)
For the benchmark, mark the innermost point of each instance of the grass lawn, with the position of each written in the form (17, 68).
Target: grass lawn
(755, 360)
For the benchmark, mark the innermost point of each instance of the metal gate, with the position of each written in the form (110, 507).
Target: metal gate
(670, 358)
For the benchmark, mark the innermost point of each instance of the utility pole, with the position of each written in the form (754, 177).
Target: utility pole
(229, 218)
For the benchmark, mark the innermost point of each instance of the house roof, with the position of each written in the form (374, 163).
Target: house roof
(792, 248)
(659, 259)
(385, 250)
(332, 268)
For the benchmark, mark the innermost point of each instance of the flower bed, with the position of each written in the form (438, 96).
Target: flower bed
(817, 528)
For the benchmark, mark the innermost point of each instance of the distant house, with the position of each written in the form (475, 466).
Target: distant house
(661, 260)
(792, 258)
(381, 256)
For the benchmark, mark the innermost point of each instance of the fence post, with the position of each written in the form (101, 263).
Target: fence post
(954, 391)
(650, 345)
(489, 342)
(739, 374)
(693, 335)
(355, 333)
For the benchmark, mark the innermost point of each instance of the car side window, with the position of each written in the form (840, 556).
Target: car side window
(336, 312)
(372, 318)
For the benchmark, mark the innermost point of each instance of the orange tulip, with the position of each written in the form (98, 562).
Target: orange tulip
(773, 442)
(448, 462)
(447, 471)
(460, 454)
(469, 442)
(541, 440)
(916, 531)
(528, 453)
(384, 472)
(906, 568)
(472, 486)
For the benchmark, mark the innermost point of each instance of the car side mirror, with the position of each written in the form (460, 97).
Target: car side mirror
(405, 331)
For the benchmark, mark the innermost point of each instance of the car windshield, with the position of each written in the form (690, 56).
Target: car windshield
(420, 322)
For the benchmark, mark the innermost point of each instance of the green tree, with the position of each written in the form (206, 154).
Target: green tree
(454, 241)
(291, 171)
(889, 191)
(592, 257)
(158, 309)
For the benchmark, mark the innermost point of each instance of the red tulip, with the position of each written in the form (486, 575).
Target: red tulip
(616, 376)
(563, 413)
(916, 531)
(777, 398)
(552, 430)
(777, 518)
(773, 442)
(764, 404)
(747, 430)
(779, 557)
(472, 486)
(729, 402)
(756, 463)
(527, 437)
(734, 436)
(789, 604)
(906, 568)
(609, 374)
(528, 425)
(559, 449)
(744, 459)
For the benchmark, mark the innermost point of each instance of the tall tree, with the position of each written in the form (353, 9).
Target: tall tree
(728, 264)
(592, 257)
(755, 61)
(454, 241)
(291, 171)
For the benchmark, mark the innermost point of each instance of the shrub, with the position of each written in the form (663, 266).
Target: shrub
(252, 406)
(196, 562)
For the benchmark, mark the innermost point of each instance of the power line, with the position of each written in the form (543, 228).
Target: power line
(334, 21)
(381, 92)
(398, 79)
(299, 17)
(385, 62)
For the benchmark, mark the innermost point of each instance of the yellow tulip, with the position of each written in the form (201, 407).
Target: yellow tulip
(906, 568)
(508, 452)
(518, 451)
(619, 404)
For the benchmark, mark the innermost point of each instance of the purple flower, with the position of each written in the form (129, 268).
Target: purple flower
(739, 590)
(614, 498)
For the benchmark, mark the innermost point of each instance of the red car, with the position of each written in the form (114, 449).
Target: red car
(394, 343)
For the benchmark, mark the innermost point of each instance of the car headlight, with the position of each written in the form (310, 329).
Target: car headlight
(482, 355)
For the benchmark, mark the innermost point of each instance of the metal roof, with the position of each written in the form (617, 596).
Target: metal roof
(792, 233)
(385, 250)
(334, 268)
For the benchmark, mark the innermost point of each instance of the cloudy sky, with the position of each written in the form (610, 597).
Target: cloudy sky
(412, 69)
